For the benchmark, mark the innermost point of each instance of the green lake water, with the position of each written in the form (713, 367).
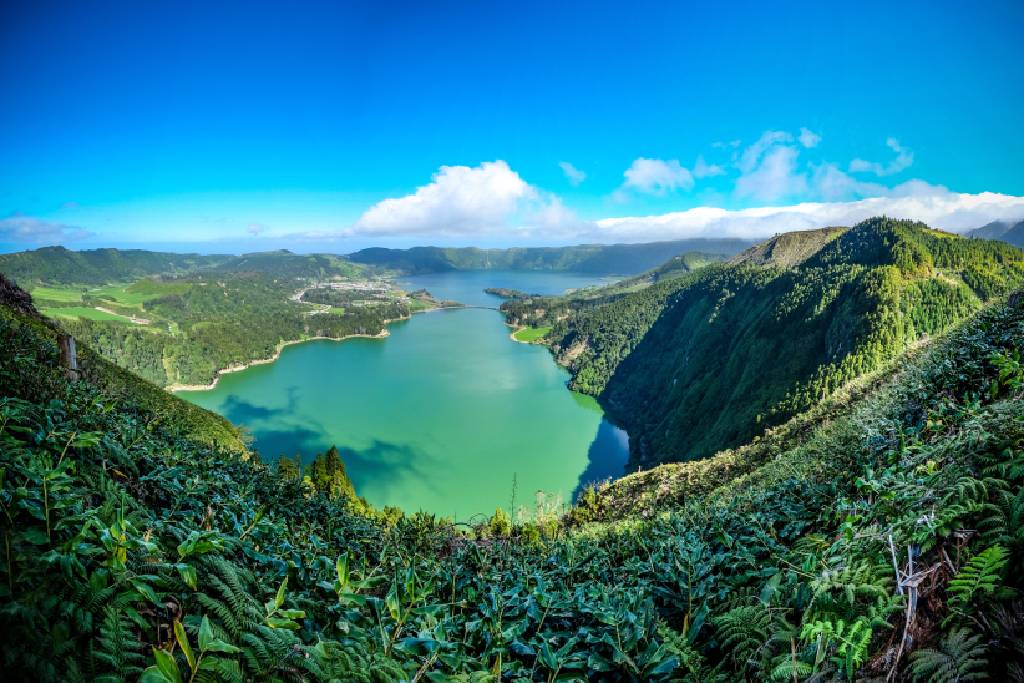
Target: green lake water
(447, 414)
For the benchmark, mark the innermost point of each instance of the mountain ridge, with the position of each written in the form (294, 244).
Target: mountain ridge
(709, 360)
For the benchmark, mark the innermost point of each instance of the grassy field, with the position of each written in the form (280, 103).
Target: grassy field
(61, 294)
(137, 293)
(531, 334)
(83, 312)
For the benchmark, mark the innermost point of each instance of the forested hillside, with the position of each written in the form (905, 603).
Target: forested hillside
(180, 319)
(693, 365)
(879, 540)
(57, 265)
(596, 259)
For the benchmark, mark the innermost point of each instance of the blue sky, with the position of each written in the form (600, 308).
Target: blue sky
(259, 125)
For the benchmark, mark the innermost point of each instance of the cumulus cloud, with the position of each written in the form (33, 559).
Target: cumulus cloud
(256, 229)
(657, 176)
(904, 158)
(29, 230)
(752, 155)
(574, 175)
(934, 205)
(771, 173)
(458, 200)
(808, 138)
(702, 169)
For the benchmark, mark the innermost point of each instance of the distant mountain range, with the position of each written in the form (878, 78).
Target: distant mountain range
(1006, 231)
(59, 265)
(595, 259)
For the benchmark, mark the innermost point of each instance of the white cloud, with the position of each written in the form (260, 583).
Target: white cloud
(904, 158)
(256, 229)
(772, 175)
(29, 230)
(459, 200)
(702, 169)
(750, 157)
(574, 175)
(808, 138)
(657, 176)
(917, 200)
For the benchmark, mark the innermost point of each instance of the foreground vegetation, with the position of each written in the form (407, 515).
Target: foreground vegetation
(142, 539)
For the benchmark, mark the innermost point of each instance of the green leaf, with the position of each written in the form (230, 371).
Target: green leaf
(186, 649)
(154, 675)
(167, 665)
(276, 622)
(188, 575)
(205, 634)
(146, 591)
(279, 600)
(221, 646)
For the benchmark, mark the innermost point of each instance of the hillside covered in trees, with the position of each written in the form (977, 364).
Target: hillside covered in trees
(879, 537)
(696, 364)
(179, 319)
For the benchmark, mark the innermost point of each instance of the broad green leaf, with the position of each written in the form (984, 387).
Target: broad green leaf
(188, 575)
(167, 665)
(186, 649)
(205, 634)
(279, 600)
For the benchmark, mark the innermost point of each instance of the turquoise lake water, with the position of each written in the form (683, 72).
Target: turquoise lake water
(447, 414)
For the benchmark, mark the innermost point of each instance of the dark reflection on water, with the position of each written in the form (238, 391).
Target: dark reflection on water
(272, 443)
(605, 457)
(382, 465)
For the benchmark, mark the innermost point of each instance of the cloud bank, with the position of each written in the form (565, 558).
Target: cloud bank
(29, 230)
(933, 205)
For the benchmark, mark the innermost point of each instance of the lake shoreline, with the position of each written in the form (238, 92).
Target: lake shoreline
(277, 354)
(383, 334)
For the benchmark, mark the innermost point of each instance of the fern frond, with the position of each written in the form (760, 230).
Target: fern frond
(959, 657)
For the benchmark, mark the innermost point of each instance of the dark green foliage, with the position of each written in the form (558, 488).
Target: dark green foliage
(327, 475)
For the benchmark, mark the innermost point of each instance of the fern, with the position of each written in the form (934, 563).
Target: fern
(268, 650)
(978, 578)
(231, 599)
(333, 662)
(743, 632)
(850, 642)
(960, 657)
(119, 649)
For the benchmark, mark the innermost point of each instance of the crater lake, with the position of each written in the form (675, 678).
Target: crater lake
(447, 414)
